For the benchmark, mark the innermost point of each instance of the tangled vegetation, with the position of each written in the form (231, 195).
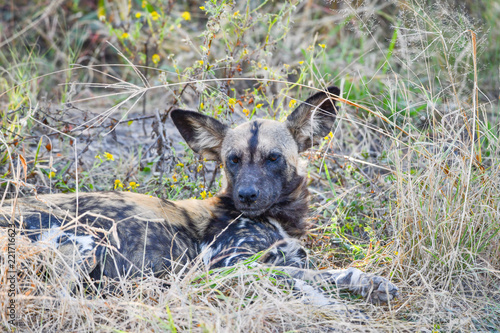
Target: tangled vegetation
(406, 185)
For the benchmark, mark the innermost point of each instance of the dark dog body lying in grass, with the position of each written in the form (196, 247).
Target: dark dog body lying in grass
(261, 208)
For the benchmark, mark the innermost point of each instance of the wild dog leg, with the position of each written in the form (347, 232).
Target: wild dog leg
(374, 288)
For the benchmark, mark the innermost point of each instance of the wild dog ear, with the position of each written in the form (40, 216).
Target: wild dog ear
(202, 133)
(313, 119)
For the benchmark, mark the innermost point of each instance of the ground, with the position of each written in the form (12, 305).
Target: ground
(406, 185)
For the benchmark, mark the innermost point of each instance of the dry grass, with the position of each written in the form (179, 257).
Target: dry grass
(407, 186)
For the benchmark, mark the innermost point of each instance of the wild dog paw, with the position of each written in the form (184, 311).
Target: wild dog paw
(377, 289)
(374, 288)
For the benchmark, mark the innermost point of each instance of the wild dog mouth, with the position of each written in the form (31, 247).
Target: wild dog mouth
(252, 212)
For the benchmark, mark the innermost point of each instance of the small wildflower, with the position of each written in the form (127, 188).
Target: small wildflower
(323, 46)
(52, 174)
(265, 68)
(133, 185)
(301, 62)
(154, 15)
(236, 13)
(246, 112)
(138, 15)
(210, 194)
(204, 194)
(231, 101)
(109, 156)
(172, 186)
(201, 186)
(99, 157)
(186, 177)
(258, 106)
(202, 106)
(396, 252)
(118, 183)
(174, 178)
(292, 103)
(155, 58)
(186, 16)
(200, 62)
(202, 7)
(125, 35)
(144, 3)
(180, 164)
(200, 166)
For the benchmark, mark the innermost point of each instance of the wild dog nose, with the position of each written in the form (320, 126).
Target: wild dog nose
(248, 194)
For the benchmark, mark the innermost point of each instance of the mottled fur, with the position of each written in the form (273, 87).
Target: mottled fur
(260, 210)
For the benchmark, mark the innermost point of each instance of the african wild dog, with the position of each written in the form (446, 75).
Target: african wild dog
(261, 208)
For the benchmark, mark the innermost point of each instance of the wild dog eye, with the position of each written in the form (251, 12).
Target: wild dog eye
(234, 159)
(273, 157)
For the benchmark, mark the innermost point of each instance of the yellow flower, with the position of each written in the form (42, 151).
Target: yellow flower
(138, 15)
(202, 7)
(180, 164)
(203, 194)
(210, 194)
(133, 185)
(174, 178)
(231, 101)
(301, 62)
(186, 16)
(118, 183)
(322, 46)
(258, 106)
(125, 35)
(236, 13)
(186, 177)
(155, 58)
(202, 186)
(200, 166)
(155, 15)
(202, 106)
(109, 156)
(292, 103)
(200, 62)
(246, 112)
(144, 3)
(52, 174)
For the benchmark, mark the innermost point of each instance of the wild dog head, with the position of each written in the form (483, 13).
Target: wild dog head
(261, 157)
